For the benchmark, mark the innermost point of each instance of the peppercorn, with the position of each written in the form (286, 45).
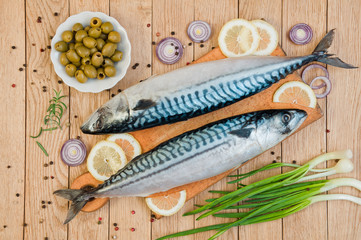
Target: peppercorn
(60, 82)
(75, 116)
(13, 47)
(46, 177)
(119, 90)
(172, 33)
(9, 166)
(190, 44)
(115, 224)
(35, 70)
(21, 69)
(272, 153)
(274, 161)
(56, 14)
(202, 45)
(18, 194)
(43, 206)
(294, 162)
(51, 162)
(113, 94)
(148, 65)
(148, 25)
(43, 202)
(153, 43)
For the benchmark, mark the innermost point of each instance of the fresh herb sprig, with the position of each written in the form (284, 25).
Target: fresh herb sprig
(52, 119)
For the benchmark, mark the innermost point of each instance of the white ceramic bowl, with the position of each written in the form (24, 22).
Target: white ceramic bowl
(92, 85)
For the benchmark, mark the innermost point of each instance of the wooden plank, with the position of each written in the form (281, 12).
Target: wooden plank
(172, 16)
(216, 13)
(134, 17)
(309, 223)
(12, 108)
(39, 185)
(273, 14)
(343, 113)
(85, 225)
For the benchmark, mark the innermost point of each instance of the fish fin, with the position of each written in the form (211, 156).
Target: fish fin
(242, 133)
(322, 48)
(143, 104)
(78, 197)
(335, 61)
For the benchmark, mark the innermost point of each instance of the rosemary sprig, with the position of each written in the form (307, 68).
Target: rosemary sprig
(52, 119)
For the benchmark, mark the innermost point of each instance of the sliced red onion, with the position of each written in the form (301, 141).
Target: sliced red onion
(301, 33)
(169, 50)
(73, 152)
(311, 66)
(199, 31)
(327, 83)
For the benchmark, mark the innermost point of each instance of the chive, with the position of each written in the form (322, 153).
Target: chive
(42, 148)
(41, 130)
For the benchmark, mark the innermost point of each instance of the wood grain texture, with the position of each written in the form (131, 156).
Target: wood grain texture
(343, 113)
(309, 223)
(250, 10)
(12, 120)
(42, 221)
(85, 225)
(134, 17)
(216, 14)
(172, 16)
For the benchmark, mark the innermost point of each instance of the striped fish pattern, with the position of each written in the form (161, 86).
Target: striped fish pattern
(198, 89)
(195, 155)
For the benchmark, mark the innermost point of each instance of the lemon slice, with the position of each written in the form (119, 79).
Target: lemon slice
(128, 143)
(167, 205)
(105, 159)
(238, 37)
(295, 92)
(268, 37)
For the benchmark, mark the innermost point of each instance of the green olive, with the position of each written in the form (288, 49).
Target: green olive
(72, 56)
(77, 64)
(71, 45)
(117, 56)
(90, 71)
(97, 59)
(77, 27)
(61, 46)
(93, 50)
(80, 76)
(100, 44)
(63, 59)
(70, 70)
(103, 36)
(67, 36)
(114, 37)
(100, 73)
(107, 27)
(79, 35)
(89, 42)
(107, 62)
(85, 61)
(94, 32)
(109, 49)
(83, 51)
(82, 67)
(78, 44)
(87, 28)
(110, 71)
(95, 22)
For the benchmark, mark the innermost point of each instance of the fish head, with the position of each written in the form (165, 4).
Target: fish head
(275, 125)
(108, 117)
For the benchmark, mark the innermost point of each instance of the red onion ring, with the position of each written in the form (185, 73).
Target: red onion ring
(199, 31)
(328, 86)
(311, 66)
(301, 34)
(169, 50)
(73, 152)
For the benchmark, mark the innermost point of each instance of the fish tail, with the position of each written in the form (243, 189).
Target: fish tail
(78, 197)
(321, 51)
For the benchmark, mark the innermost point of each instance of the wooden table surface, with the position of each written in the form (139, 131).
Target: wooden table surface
(25, 69)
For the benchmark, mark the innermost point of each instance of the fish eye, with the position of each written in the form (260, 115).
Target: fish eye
(286, 118)
(99, 123)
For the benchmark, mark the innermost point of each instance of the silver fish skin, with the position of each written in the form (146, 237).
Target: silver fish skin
(197, 89)
(195, 155)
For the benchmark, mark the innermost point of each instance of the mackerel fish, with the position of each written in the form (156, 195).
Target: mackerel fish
(195, 155)
(198, 89)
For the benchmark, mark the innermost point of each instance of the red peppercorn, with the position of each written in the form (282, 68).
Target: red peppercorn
(133, 212)
(157, 34)
(100, 218)
(152, 220)
(42, 50)
(52, 177)
(148, 25)
(116, 228)
(327, 131)
(132, 229)
(188, 63)
(13, 85)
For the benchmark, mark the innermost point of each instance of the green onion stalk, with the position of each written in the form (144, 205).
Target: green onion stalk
(277, 196)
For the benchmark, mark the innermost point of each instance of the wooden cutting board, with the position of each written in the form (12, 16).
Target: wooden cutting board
(149, 138)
